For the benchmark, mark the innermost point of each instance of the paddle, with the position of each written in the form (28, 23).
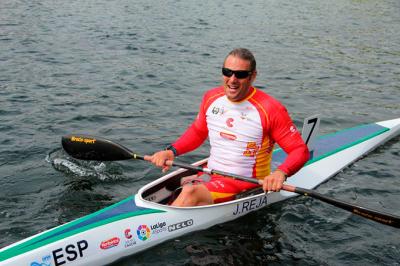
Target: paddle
(86, 147)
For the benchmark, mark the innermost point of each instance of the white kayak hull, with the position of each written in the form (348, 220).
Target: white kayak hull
(143, 220)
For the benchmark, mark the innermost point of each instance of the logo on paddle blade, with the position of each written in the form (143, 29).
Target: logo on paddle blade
(84, 140)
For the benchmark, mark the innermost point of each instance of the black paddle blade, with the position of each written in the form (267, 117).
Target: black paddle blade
(86, 147)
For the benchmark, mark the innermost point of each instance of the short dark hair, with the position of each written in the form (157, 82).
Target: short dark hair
(244, 54)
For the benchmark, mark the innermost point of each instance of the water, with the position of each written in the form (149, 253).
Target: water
(135, 71)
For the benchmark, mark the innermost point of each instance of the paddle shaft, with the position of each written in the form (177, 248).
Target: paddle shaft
(377, 216)
(380, 217)
(201, 169)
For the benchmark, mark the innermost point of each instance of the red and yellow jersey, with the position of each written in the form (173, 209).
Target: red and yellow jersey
(242, 134)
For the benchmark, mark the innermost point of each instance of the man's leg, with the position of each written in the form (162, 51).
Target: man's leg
(193, 195)
(199, 194)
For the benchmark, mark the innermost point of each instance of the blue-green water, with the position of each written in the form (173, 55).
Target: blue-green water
(135, 71)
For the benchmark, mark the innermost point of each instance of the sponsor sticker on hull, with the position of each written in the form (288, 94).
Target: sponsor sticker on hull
(129, 240)
(180, 225)
(63, 255)
(46, 261)
(110, 243)
(158, 227)
(143, 232)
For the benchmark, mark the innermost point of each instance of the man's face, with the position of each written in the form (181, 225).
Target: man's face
(237, 89)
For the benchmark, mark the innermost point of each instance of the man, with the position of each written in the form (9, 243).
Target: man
(243, 124)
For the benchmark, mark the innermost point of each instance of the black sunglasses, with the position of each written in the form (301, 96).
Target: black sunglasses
(240, 74)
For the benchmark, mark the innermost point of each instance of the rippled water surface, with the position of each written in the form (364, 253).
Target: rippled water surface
(134, 71)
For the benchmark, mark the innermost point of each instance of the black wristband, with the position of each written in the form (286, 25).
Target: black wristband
(172, 148)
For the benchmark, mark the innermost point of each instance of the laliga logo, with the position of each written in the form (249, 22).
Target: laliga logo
(159, 227)
(143, 232)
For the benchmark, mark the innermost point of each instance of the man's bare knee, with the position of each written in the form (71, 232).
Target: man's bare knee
(188, 190)
(193, 195)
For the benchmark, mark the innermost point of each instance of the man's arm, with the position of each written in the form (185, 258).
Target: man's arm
(286, 135)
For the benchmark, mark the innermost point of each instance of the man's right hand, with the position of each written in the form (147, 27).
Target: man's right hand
(159, 158)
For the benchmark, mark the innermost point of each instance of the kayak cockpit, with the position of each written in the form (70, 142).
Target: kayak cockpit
(165, 189)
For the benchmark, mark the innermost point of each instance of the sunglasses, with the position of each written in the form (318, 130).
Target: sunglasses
(240, 74)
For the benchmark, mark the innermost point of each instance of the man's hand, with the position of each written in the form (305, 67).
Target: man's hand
(159, 158)
(274, 181)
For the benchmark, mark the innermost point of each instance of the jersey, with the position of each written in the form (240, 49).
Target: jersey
(242, 134)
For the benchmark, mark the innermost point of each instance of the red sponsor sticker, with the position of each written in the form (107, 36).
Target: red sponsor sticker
(227, 135)
(110, 243)
(128, 234)
(229, 122)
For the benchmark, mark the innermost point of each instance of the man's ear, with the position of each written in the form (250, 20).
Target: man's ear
(253, 76)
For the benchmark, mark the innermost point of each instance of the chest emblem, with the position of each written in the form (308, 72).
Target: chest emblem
(251, 149)
(218, 110)
(229, 122)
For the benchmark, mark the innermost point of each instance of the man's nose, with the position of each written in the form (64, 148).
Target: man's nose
(233, 78)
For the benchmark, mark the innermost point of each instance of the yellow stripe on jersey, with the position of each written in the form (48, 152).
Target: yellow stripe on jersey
(263, 159)
(220, 195)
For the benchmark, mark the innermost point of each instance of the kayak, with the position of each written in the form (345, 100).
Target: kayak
(145, 219)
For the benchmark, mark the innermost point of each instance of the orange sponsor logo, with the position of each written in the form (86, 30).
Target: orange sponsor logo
(252, 145)
(251, 149)
(84, 140)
